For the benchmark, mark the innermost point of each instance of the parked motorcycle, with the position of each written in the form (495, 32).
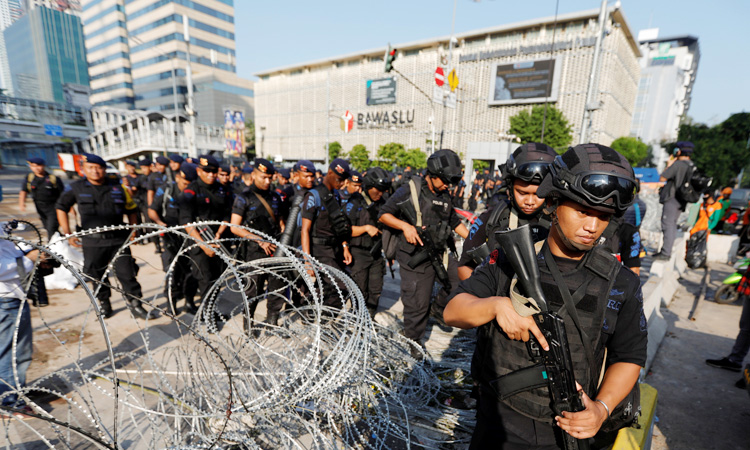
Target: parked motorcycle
(727, 293)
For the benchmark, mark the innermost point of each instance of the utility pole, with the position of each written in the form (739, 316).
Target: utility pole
(328, 118)
(450, 69)
(593, 77)
(190, 109)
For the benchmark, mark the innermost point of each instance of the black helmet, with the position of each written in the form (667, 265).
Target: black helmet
(530, 162)
(592, 175)
(446, 165)
(377, 178)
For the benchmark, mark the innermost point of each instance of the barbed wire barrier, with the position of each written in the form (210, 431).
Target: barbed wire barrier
(325, 377)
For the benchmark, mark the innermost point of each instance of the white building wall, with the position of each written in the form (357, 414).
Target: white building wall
(292, 119)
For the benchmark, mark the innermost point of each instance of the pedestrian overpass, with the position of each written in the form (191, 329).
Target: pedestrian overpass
(119, 134)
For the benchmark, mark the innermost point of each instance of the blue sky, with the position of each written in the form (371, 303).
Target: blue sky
(277, 33)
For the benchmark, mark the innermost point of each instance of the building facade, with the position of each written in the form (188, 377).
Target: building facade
(138, 56)
(500, 70)
(45, 51)
(10, 11)
(669, 66)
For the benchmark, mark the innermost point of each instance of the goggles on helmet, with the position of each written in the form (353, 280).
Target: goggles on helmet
(596, 186)
(533, 171)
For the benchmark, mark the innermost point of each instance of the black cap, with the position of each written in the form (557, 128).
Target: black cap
(94, 159)
(304, 165)
(39, 161)
(264, 166)
(340, 167)
(206, 161)
(286, 173)
(225, 168)
(130, 162)
(355, 176)
(187, 170)
(686, 147)
(176, 158)
(144, 162)
(163, 160)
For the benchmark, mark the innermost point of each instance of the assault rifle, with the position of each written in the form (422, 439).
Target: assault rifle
(518, 247)
(429, 251)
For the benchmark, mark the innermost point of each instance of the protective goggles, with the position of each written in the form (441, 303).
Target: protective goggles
(532, 171)
(451, 181)
(595, 186)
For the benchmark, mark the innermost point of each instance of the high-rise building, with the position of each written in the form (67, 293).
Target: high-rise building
(138, 56)
(45, 51)
(10, 11)
(68, 6)
(668, 69)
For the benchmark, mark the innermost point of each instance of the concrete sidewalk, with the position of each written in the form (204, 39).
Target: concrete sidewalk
(698, 406)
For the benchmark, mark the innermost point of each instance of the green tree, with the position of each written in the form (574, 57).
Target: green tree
(250, 139)
(415, 158)
(631, 148)
(359, 158)
(335, 150)
(388, 153)
(480, 164)
(528, 127)
(720, 151)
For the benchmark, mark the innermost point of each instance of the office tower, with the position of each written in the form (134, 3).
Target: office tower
(668, 69)
(138, 56)
(10, 11)
(45, 51)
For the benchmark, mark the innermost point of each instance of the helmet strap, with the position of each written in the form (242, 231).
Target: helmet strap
(569, 244)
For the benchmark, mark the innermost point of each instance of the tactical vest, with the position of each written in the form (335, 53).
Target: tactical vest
(497, 356)
(256, 215)
(101, 210)
(610, 238)
(341, 226)
(502, 217)
(436, 210)
(35, 195)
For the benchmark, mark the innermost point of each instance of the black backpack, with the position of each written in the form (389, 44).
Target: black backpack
(693, 186)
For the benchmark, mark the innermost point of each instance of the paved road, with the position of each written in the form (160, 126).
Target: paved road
(699, 408)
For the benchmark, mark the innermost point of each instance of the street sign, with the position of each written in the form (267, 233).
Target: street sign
(444, 97)
(381, 91)
(453, 80)
(53, 130)
(347, 121)
(439, 76)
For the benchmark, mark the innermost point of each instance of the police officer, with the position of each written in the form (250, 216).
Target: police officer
(131, 177)
(165, 211)
(352, 185)
(524, 172)
(223, 176)
(302, 181)
(45, 189)
(102, 201)
(258, 207)
(368, 266)
(437, 219)
(174, 167)
(156, 178)
(326, 230)
(205, 200)
(600, 301)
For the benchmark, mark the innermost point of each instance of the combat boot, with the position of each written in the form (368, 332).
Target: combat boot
(139, 312)
(273, 319)
(106, 308)
(190, 307)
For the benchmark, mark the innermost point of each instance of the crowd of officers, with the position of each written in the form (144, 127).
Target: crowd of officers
(361, 223)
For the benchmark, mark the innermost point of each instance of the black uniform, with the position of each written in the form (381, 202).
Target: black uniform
(497, 219)
(368, 266)
(100, 206)
(325, 241)
(610, 312)
(203, 202)
(255, 215)
(181, 284)
(439, 219)
(45, 191)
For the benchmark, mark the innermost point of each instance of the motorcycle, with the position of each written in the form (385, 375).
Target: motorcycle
(727, 293)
